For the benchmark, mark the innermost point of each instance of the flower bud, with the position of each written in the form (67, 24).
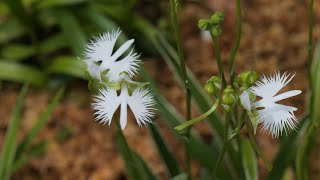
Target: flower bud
(216, 31)
(217, 18)
(248, 77)
(204, 24)
(209, 88)
(228, 96)
(216, 81)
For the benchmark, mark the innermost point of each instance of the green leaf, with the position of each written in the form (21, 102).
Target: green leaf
(145, 166)
(72, 31)
(10, 29)
(21, 73)
(182, 176)
(67, 65)
(52, 44)
(43, 4)
(249, 160)
(315, 77)
(287, 152)
(17, 52)
(9, 147)
(31, 134)
(134, 169)
(170, 161)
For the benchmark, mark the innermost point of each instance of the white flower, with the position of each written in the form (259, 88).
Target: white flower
(140, 102)
(274, 117)
(99, 51)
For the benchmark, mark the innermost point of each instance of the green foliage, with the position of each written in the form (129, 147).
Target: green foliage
(16, 155)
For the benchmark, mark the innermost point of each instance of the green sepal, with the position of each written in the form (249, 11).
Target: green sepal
(254, 117)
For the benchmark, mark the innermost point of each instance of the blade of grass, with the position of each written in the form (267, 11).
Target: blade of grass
(145, 166)
(44, 4)
(72, 31)
(21, 73)
(39, 125)
(170, 161)
(10, 29)
(66, 65)
(249, 160)
(17, 52)
(9, 147)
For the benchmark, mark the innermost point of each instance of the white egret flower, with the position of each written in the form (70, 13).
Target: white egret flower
(99, 56)
(274, 117)
(141, 103)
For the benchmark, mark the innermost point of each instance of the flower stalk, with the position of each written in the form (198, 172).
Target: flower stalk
(174, 4)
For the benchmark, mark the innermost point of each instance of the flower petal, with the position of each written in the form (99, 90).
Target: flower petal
(128, 64)
(101, 47)
(278, 118)
(245, 101)
(105, 105)
(141, 103)
(268, 87)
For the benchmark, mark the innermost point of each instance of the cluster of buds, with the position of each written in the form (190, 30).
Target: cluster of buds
(213, 24)
(110, 78)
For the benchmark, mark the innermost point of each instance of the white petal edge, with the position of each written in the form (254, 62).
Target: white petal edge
(245, 100)
(105, 104)
(141, 103)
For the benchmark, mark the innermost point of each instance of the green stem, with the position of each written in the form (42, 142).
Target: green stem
(256, 148)
(218, 56)
(238, 129)
(176, 28)
(237, 41)
(224, 147)
(199, 118)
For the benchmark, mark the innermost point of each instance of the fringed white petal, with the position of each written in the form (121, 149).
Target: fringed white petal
(141, 103)
(270, 86)
(278, 118)
(100, 48)
(245, 101)
(105, 105)
(129, 64)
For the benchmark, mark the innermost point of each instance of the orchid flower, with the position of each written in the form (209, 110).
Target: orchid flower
(274, 117)
(99, 57)
(140, 102)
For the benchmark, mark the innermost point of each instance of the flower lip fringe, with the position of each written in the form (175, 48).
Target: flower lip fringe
(115, 75)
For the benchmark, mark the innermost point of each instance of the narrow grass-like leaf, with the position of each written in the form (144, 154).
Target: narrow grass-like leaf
(287, 152)
(43, 4)
(21, 73)
(52, 44)
(72, 31)
(315, 78)
(67, 65)
(182, 176)
(134, 169)
(144, 165)
(10, 29)
(249, 160)
(16, 52)
(9, 147)
(31, 134)
(170, 161)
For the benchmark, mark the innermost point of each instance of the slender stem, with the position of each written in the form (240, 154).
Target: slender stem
(218, 56)
(176, 28)
(224, 147)
(238, 129)
(237, 41)
(256, 148)
(199, 118)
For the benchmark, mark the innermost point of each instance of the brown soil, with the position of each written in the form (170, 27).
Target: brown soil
(274, 38)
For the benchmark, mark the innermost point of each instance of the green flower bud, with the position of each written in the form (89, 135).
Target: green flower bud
(204, 24)
(228, 96)
(216, 81)
(217, 18)
(209, 88)
(248, 77)
(216, 31)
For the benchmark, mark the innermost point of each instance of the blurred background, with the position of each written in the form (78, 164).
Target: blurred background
(41, 42)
